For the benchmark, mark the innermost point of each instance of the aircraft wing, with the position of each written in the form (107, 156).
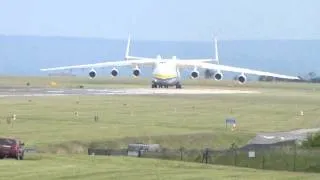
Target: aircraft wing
(104, 64)
(181, 61)
(220, 67)
(158, 58)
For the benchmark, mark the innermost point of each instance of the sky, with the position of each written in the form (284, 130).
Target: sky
(176, 20)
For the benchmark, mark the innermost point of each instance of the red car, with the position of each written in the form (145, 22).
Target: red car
(11, 148)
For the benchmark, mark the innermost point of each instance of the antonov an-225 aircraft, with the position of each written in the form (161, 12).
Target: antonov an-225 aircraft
(166, 72)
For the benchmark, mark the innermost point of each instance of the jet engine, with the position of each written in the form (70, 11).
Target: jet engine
(194, 74)
(114, 72)
(136, 72)
(218, 76)
(92, 73)
(241, 78)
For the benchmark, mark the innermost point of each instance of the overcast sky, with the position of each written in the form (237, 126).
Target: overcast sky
(163, 19)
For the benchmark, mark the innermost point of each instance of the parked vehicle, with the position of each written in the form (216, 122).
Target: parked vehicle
(11, 148)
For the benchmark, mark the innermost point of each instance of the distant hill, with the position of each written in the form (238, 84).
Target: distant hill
(25, 55)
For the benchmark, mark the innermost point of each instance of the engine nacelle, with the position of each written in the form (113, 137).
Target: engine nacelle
(92, 73)
(136, 72)
(194, 74)
(114, 72)
(241, 79)
(218, 76)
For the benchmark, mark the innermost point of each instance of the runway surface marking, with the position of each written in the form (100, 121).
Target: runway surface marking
(5, 92)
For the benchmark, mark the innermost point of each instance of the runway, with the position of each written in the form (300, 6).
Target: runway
(24, 92)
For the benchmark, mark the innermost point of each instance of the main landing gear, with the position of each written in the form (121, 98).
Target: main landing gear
(153, 85)
(159, 86)
(178, 86)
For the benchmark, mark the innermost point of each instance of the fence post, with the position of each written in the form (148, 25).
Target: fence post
(202, 157)
(181, 153)
(235, 157)
(263, 161)
(294, 156)
(233, 147)
(207, 153)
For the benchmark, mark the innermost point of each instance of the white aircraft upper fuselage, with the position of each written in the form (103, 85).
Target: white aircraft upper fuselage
(166, 72)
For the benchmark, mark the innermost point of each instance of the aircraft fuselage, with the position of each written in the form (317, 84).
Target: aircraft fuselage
(165, 73)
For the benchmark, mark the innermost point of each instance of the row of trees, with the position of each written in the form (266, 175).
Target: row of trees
(313, 141)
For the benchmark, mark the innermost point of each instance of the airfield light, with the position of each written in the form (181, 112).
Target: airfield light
(52, 83)
(234, 127)
(301, 113)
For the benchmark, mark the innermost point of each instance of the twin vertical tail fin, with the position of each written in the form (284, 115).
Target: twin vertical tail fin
(128, 57)
(216, 50)
(128, 48)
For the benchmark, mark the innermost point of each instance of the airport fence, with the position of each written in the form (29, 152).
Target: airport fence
(288, 157)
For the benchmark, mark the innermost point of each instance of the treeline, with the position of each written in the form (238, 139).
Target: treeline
(313, 141)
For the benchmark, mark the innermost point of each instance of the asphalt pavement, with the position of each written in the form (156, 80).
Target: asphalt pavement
(25, 91)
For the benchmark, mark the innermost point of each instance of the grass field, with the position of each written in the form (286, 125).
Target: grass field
(47, 120)
(83, 167)
(50, 124)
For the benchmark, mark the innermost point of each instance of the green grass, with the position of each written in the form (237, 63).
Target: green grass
(49, 123)
(84, 167)
(144, 116)
(284, 158)
(52, 119)
(47, 120)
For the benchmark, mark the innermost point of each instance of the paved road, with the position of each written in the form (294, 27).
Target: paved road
(5, 92)
(275, 137)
